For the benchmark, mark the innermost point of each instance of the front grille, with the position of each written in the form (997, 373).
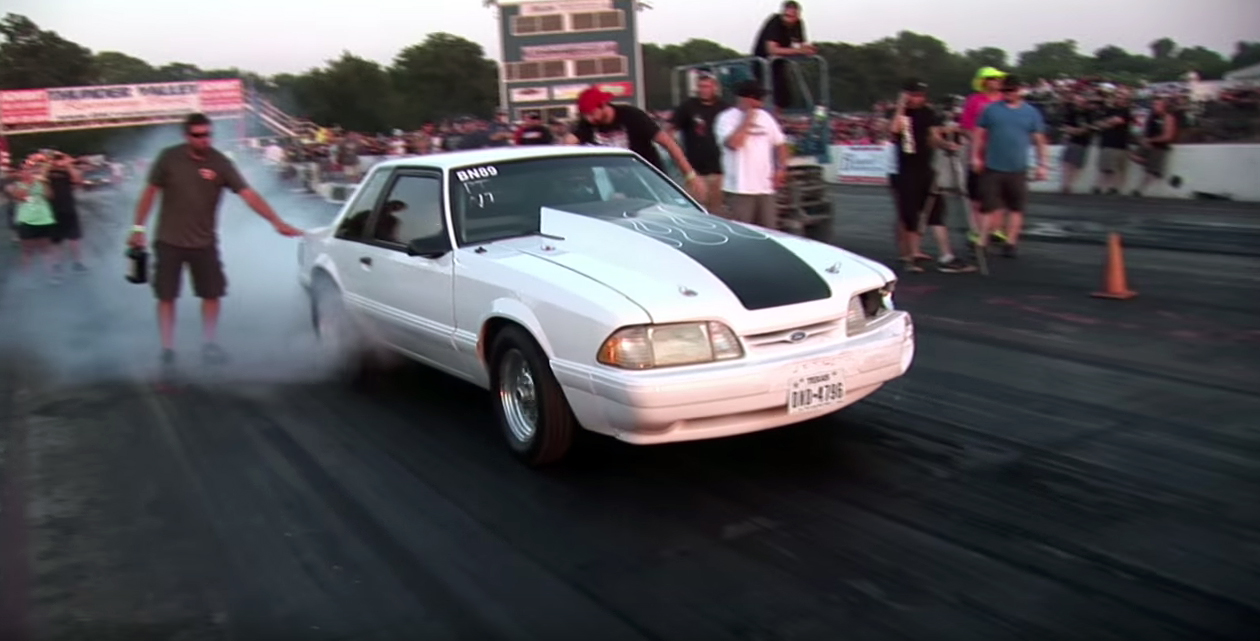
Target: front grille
(803, 334)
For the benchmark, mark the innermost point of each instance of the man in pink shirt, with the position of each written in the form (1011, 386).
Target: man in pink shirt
(988, 86)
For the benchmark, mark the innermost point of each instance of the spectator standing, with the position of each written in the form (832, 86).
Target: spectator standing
(1078, 127)
(500, 132)
(34, 217)
(63, 177)
(752, 142)
(916, 130)
(1160, 132)
(1003, 136)
(988, 90)
(611, 125)
(8, 203)
(694, 119)
(1113, 144)
(190, 179)
(533, 131)
(783, 34)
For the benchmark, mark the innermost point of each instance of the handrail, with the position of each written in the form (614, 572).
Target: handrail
(823, 98)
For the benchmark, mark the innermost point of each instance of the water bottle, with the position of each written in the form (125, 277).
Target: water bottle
(138, 265)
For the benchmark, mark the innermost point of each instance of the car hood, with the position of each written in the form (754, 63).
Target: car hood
(678, 264)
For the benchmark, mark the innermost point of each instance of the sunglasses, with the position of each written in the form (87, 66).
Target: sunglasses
(198, 134)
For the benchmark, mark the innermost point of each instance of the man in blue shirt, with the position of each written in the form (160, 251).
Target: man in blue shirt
(1003, 137)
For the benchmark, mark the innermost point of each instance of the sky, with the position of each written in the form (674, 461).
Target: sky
(278, 36)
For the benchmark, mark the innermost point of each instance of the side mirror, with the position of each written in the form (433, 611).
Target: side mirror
(430, 247)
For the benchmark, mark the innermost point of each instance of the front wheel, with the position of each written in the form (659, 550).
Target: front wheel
(341, 345)
(531, 408)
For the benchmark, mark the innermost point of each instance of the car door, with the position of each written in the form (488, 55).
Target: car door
(348, 246)
(412, 295)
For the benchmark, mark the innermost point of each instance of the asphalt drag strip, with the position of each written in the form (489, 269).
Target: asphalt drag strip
(1054, 466)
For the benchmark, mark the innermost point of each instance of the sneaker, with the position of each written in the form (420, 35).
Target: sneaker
(954, 265)
(998, 236)
(213, 354)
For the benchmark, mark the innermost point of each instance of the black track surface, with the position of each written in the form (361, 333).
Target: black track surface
(1054, 466)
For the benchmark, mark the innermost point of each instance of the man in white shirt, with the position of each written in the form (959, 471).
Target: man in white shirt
(751, 142)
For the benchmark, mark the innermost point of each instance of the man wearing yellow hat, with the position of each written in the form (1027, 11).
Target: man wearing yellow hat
(988, 90)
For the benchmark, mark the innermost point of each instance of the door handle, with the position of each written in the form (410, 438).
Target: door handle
(367, 262)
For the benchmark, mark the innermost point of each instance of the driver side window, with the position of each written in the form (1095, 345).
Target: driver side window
(352, 226)
(411, 210)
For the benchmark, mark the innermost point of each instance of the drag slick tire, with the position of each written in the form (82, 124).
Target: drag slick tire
(341, 344)
(535, 417)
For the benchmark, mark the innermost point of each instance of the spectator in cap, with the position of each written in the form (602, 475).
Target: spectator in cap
(916, 130)
(1004, 134)
(988, 90)
(751, 143)
(606, 124)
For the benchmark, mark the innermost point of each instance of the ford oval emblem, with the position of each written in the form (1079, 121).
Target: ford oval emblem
(797, 337)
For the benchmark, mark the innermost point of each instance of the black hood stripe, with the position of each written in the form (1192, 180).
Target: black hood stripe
(758, 270)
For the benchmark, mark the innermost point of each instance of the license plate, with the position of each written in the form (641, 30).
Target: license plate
(815, 391)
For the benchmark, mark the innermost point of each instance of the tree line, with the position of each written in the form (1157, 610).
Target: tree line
(448, 76)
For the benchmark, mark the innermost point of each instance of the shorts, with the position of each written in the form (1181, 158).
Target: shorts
(758, 209)
(1111, 160)
(1075, 155)
(1003, 190)
(973, 185)
(1155, 160)
(911, 192)
(68, 227)
(208, 279)
(35, 232)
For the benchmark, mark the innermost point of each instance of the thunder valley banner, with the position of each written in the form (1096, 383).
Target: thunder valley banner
(73, 104)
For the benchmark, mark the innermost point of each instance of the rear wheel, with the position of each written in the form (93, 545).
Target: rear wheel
(531, 407)
(341, 345)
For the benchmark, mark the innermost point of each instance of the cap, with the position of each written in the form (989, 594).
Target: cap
(750, 89)
(592, 99)
(984, 74)
(914, 85)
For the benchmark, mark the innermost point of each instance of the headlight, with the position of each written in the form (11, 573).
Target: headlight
(867, 307)
(886, 294)
(648, 346)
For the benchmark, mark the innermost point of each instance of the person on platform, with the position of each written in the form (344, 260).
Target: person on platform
(610, 125)
(190, 178)
(782, 35)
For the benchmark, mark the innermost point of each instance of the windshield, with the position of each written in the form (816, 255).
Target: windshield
(504, 200)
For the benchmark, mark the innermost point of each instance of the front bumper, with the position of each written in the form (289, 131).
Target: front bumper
(725, 399)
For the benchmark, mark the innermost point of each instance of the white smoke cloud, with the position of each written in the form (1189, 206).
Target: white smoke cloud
(96, 326)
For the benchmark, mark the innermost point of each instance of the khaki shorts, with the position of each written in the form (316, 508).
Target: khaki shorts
(713, 196)
(208, 279)
(1155, 160)
(758, 209)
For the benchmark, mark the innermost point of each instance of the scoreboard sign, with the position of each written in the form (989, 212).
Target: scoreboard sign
(553, 49)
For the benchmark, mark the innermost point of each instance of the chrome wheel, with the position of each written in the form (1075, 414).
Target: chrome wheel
(518, 396)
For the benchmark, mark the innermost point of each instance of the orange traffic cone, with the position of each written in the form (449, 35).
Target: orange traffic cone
(1115, 281)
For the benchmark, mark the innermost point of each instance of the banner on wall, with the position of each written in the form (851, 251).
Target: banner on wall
(871, 164)
(78, 104)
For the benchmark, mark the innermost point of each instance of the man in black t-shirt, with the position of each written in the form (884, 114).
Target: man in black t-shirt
(694, 120)
(534, 132)
(1078, 125)
(62, 179)
(783, 34)
(609, 125)
(1113, 145)
(916, 132)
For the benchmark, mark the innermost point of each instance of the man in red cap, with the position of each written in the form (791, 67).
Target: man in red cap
(609, 125)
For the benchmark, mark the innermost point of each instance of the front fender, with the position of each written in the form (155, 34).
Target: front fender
(519, 313)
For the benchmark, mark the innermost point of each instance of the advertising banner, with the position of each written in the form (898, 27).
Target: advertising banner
(871, 164)
(565, 93)
(618, 89)
(78, 104)
(865, 164)
(564, 6)
(569, 51)
(530, 94)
